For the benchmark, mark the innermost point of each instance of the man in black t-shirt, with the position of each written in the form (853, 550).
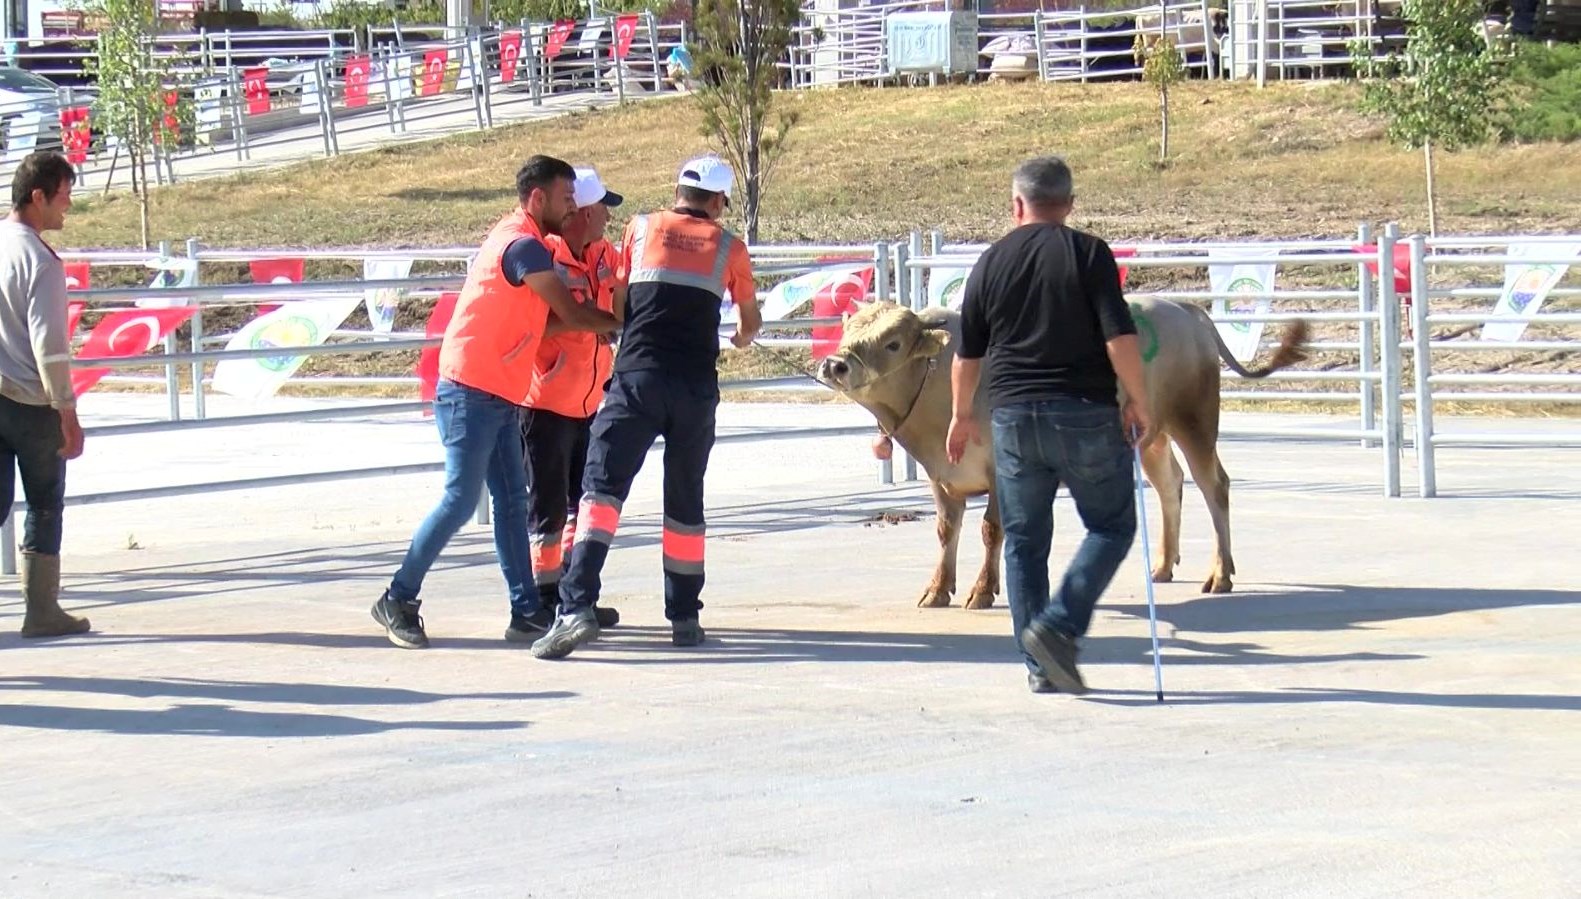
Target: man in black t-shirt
(1044, 306)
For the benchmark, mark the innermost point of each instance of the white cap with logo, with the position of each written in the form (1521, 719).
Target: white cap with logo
(589, 189)
(708, 173)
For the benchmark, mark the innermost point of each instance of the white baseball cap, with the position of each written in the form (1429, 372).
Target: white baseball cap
(590, 189)
(708, 173)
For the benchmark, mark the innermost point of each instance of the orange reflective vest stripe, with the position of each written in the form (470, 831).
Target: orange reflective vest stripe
(572, 366)
(491, 343)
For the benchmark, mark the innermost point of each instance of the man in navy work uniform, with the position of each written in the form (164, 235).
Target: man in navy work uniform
(677, 266)
(1044, 305)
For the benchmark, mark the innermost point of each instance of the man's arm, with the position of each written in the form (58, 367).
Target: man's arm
(528, 263)
(46, 325)
(744, 293)
(1119, 332)
(967, 370)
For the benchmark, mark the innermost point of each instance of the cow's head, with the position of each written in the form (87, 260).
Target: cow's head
(878, 341)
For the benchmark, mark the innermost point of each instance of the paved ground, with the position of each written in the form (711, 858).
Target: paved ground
(1387, 705)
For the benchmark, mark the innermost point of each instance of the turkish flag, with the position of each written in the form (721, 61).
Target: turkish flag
(73, 315)
(1402, 265)
(275, 271)
(357, 81)
(128, 332)
(255, 85)
(428, 360)
(510, 53)
(559, 33)
(434, 71)
(1123, 253)
(625, 30)
(836, 299)
(77, 275)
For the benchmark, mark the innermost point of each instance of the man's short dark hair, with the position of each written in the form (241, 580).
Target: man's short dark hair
(1043, 181)
(45, 170)
(696, 196)
(539, 173)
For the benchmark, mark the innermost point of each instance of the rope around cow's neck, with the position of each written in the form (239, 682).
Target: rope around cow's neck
(933, 364)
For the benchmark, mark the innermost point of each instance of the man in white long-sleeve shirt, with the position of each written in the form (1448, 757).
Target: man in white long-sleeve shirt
(39, 431)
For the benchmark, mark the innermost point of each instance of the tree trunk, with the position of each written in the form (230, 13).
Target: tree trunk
(1163, 110)
(139, 188)
(1432, 191)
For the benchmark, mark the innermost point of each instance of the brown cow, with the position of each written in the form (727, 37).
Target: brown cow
(896, 364)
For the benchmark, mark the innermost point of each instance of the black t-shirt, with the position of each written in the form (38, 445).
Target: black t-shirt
(1041, 304)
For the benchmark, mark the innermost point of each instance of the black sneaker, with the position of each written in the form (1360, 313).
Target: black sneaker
(606, 617)
(1056, 654)
(568, 632)
(1037, 683)
(527, 628)
(686, 632)
(401, 622)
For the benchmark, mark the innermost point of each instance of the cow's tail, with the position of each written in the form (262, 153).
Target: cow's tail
(1292, 349)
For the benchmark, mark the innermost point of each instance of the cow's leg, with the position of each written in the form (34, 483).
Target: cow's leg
(1202, 457)
(950, 511)
(987, 586)
(1164, 473)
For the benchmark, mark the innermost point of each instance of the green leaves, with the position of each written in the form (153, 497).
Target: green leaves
(1446, 87)
(736, 53)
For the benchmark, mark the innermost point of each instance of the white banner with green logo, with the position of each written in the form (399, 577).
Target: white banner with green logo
(1527, 284)
(1230, 283)
(300, 324)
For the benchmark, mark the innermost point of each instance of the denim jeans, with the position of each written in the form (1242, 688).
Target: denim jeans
(30, 441)
(1037, 447)
(482, 437)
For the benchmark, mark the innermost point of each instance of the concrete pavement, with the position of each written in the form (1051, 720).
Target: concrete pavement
(1387, 705)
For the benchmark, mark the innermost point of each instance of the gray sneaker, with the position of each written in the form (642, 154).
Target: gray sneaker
(401, 622)
(1037, 683)
(1056, 655)
(569, 632)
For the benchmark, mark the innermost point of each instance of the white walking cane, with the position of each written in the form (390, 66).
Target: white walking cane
(1147, 573)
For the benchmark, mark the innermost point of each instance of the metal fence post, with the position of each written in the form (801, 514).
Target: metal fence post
(485, 84)
(620, 76)
(653, 44)
(886, 467)
(238, 107)
(199, 405)
(471, 57)
(1038, 37)
(1389, 353)
(919, 292)
(535, 67)
(1422, 366)
(172, 374)
(1366, 306)
(326, 111)
(8, 541)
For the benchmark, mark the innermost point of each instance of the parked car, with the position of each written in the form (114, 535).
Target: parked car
(24, 95)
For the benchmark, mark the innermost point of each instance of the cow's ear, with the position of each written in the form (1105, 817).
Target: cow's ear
(932, 341)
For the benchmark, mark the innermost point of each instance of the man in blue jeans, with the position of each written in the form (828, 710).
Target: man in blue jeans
(1044, 305)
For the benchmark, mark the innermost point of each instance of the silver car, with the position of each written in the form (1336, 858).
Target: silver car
(24, 99)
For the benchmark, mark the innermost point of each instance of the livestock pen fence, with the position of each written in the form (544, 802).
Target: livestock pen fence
(1394, 322)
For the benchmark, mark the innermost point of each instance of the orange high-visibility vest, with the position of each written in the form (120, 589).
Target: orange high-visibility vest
(491, 343)
(572, 366)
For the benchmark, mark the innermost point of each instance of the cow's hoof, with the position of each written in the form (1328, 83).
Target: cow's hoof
(934, 598)
(980, 599)
(1163, 575)
(1218, 583)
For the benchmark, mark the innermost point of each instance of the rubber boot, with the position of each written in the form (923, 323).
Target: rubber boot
(41, 592)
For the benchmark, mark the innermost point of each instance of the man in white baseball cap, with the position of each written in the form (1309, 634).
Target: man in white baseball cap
(567, 388)
(678, 266)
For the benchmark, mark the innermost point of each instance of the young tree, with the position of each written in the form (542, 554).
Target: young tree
(135, 88)
(1442, 93)
(738, 46)
(1162, 67)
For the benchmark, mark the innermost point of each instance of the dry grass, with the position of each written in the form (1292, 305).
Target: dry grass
(1293, 160)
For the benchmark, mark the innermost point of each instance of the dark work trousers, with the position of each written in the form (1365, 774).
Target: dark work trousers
(556, 453)
(30, 442)
(640, 407)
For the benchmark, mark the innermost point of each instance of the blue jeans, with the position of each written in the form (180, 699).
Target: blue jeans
(483, 444)
(1037, 447)
(30, 441)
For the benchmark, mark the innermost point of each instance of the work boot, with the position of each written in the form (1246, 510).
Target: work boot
(401, 622)
(527, 628)
(41, 594)
(569, 632)
(1056, 655)
(686, 632)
